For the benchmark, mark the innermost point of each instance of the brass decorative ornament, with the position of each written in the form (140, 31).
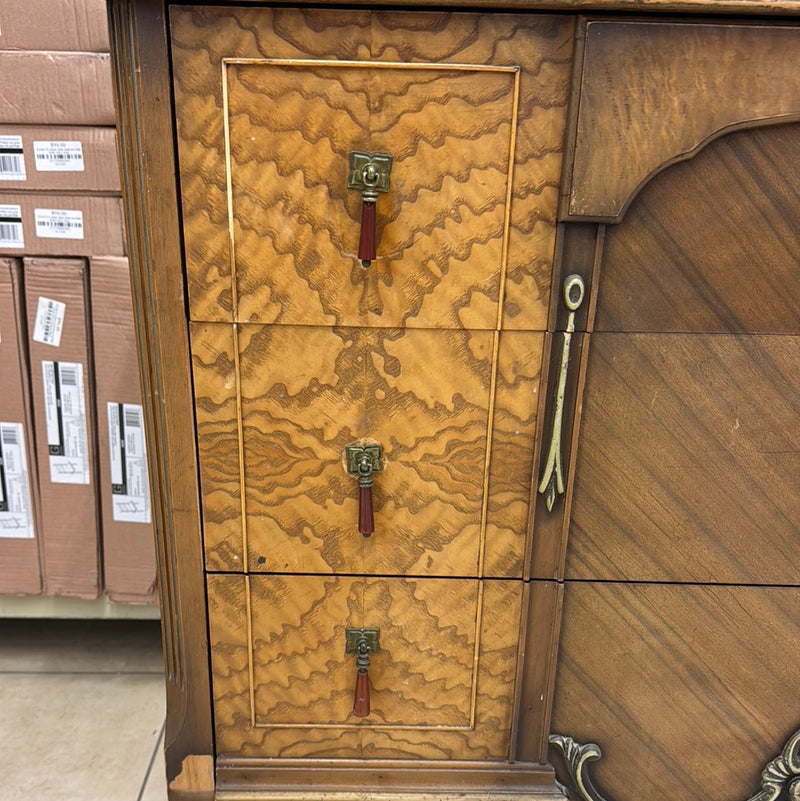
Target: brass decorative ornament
(552, 480)
(780, 779)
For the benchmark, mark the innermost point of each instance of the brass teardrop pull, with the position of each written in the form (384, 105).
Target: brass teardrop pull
(364, 461)
(362, 642)
(369, 172)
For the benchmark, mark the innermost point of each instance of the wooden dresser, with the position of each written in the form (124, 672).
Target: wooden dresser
(470, 348)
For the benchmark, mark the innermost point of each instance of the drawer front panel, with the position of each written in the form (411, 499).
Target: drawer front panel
(455, 413)
(471, 109)
(441, 684)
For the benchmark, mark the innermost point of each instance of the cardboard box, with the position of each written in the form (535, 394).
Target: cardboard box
(19, 491)
(59, 342)
(129, 563)
(39, 224)
(52, 158)
(54, 25)
(51, 88)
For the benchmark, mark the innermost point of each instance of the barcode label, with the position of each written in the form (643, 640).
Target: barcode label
(16, 519)
(58, 156)
(49, 321)
(130, 495)
(66, 424)
(69, 375)
(12, 161)
(58, 223)
(11, 227)
(12, 167)
(9, 435)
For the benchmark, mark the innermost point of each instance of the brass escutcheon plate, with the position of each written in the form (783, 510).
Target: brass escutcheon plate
(377, 165)
(354, 636)
(353, 455)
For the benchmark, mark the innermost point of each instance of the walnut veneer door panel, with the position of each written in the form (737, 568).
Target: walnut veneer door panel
(442, 682)
(689, 441)
(440, 403)
(711, 244)
(685, 478)
(689, 690)
(688, 460)
(472, 109)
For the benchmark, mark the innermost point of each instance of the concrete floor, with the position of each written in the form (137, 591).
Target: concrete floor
(81, 710)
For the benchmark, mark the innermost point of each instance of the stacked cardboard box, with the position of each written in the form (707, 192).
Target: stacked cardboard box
(65, 292)
(20, 514)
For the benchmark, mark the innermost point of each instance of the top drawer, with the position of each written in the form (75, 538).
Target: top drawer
(470, 108)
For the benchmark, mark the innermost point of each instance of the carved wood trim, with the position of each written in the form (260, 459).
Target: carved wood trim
(655, 93)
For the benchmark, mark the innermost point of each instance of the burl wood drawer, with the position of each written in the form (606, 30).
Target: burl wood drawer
(277, 496)
(442, 681)
(270, 102)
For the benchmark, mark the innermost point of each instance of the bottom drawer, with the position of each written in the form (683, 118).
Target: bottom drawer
(441, 684)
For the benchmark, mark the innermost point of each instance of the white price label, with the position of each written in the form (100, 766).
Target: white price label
(58, 156)
(58, 223)
(16, 519)
(49, 321)
(130, 493)
(12, 159)
(65, 416)
(11, 227)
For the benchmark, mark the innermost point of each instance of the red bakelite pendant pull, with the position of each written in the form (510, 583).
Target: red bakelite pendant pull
(364, 461)
(362, 643)
(366, 521)
(369, 173)
(361, 697)
(366, 243)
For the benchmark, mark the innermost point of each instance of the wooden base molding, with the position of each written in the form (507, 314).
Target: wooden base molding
(387, 796)
(395, 780)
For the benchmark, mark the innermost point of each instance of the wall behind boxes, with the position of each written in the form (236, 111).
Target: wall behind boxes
(74, 502)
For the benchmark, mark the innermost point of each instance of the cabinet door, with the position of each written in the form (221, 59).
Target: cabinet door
(682, 572)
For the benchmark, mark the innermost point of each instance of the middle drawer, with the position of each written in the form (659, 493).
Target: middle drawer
(453, 411)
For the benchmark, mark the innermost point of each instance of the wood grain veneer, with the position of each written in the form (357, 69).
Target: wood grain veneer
(711, 245)
(688, 689)
(687, 460)
(462, 224)
(439, 510)
(654, 93)
(442, 683)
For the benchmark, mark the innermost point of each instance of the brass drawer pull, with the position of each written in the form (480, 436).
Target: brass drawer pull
(552, 481)
(362, 642)
(364, 461)
(369, 172)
